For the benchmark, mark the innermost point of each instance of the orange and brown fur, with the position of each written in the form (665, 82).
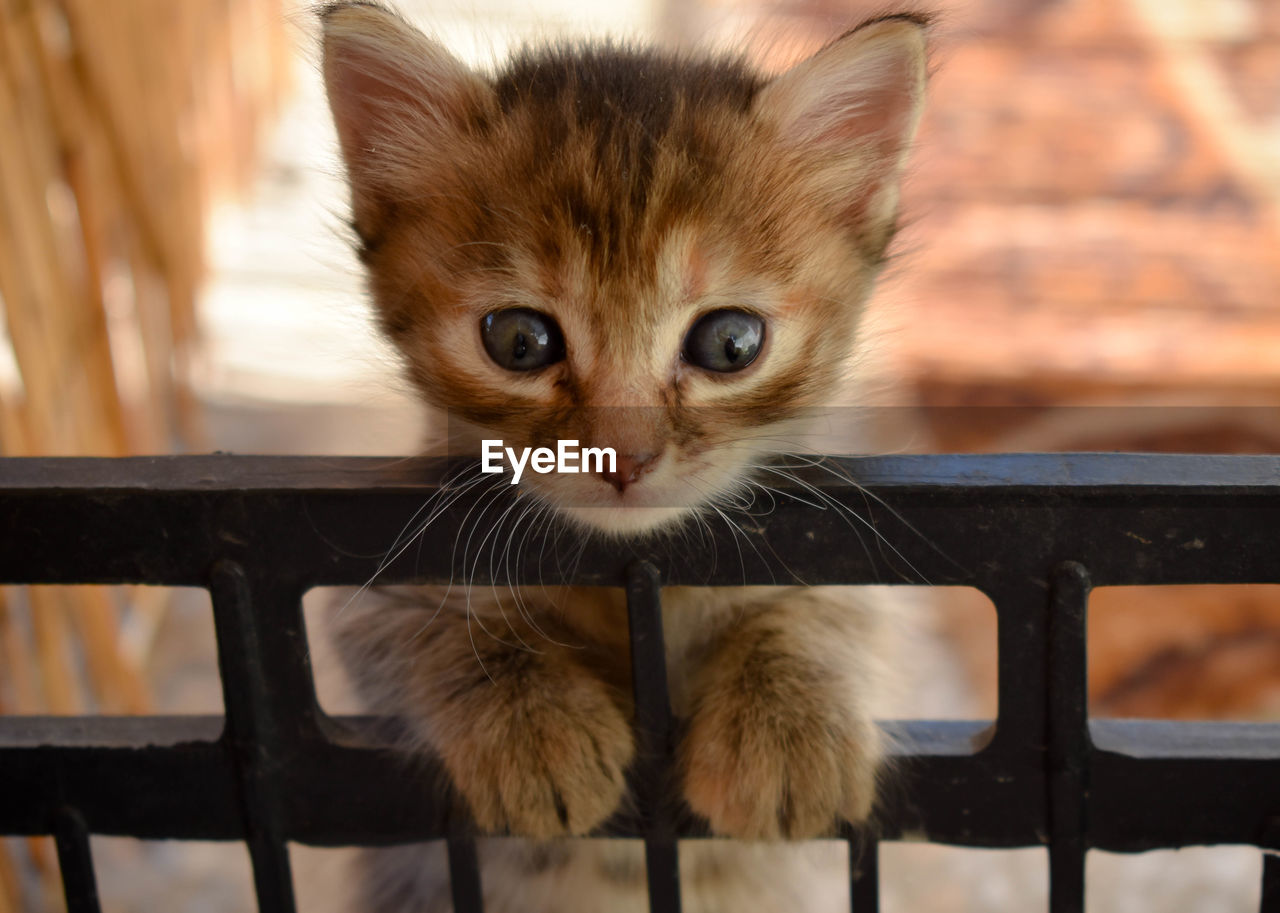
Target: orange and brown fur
(623, 196)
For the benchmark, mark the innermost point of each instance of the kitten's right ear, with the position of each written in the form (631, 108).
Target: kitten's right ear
(398, 99)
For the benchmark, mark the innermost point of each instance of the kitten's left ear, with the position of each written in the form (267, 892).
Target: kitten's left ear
(851, 110)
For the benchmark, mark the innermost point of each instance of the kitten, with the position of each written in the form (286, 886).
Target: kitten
(668, 256)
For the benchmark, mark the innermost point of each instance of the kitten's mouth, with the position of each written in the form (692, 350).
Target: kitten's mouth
(634, 507)
(625, 520)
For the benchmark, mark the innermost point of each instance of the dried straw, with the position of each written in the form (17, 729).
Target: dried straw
(120, 122)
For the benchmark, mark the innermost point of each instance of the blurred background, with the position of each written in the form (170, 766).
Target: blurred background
(1091, 261)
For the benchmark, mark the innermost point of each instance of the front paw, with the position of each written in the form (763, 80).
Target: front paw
(541, 759)
(764, 765)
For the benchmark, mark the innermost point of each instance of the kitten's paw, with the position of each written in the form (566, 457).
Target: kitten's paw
(546, 760)
(760, 768)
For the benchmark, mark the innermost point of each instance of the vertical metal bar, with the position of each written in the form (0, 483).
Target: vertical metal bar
(1021, 656)
(864, 871)
(464, 876)
(1270, 883)
(1068, 736)
(654, 733)
(1270, 842)
(253, 734)
(75, 862)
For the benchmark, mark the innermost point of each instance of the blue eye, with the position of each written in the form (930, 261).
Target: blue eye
(522, 339)
(725, 341)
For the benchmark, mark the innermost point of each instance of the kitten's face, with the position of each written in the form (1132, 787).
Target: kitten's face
(666, 258)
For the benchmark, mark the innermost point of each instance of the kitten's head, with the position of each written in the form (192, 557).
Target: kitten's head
(663, 255)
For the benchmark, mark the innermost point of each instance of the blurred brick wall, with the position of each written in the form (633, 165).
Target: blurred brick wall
(1094, 205)
(1098, 192)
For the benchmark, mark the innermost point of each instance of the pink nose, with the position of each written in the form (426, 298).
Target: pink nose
(628, 469)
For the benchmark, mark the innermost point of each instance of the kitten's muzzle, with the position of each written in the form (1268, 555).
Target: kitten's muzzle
(629, 468)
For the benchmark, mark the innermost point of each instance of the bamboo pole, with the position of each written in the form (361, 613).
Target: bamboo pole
(32, 279)
(117, 682)
(43, 856)
(9, 896)
(20, 676)
(49, 629)
(82, 323)
(70, 326)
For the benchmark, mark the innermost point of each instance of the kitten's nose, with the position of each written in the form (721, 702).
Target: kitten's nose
(628, 468)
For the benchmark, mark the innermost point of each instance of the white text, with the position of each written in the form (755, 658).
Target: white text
(565, 458)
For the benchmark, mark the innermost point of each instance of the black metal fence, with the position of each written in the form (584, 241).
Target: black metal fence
(1032, 532)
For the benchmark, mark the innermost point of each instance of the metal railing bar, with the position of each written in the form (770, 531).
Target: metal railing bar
(1097, 510)
(1143, 740)
(912, 738)
(1270, 843)
(864, 874)
(146, 787)
(654, 735)
(1021, 657)
(1068, 748)
(464, 875)
(1270, 882)
(75, 862)
(1136, 739)
(212, 473)
(252, 735)
(1185, 783)
(1150, 804)
(662, 868)
(134, 733)
(297, 522)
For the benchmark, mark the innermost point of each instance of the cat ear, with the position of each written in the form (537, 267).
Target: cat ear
(852, 110)
(398, 98)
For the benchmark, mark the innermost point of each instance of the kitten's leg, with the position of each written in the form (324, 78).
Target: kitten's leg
(413, 878)
(535, 740)
(781, 740)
